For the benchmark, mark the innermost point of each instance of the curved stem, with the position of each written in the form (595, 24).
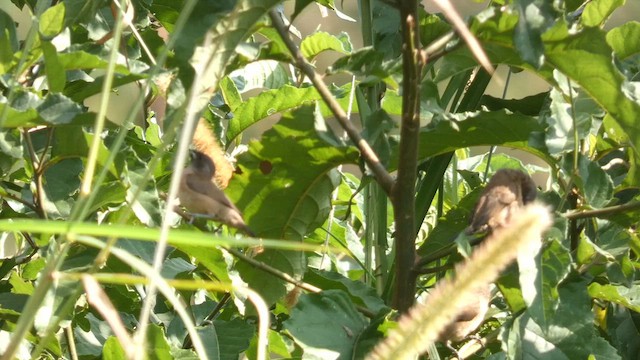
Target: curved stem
(373, 162)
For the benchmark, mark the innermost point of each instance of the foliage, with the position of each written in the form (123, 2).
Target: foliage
(94, 109)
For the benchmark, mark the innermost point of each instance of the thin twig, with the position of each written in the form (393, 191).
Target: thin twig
(434, 269)
(373, 162)
(21, 201)
(442, 252)
(273, 271)
(37, 173)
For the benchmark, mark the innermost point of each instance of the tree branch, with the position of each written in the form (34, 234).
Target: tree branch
(371, 159)
(573, 215)
(403, 195)
(442, 252)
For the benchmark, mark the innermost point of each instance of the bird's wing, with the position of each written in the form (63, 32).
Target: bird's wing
(208, 188)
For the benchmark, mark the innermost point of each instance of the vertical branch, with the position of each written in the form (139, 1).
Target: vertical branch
(403, 194)
(375, 198)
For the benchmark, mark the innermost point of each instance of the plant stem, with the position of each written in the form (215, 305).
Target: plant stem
(403, 195)
(373, 162)
(633, 205)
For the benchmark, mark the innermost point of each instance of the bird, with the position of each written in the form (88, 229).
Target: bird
(506, 192)
(471, 316)
(199, 194)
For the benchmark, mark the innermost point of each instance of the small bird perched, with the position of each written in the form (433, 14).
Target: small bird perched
(505, 193)
(201, 196)
(470, 317)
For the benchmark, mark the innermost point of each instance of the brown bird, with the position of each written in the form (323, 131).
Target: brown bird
(507, 191)
(470, 317)
(201, 196)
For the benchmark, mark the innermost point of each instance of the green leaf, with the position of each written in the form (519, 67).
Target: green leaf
(367, 62)
(81, 60)
(535, 17)
(146, 204)
(386, 29)
(81, 11)
(560, 133)
(52, 21)
(314, 44)
(432, 27)
(477, 128)
(452, 224)
(112, 350)
(230, 93)
(56, 77)
(593, 182)
(623, 331)
(585, 58)
(60, 185)
(261, 74)
(157, 344)
(509, 285)
(570, 332)
(528, 105)
(57, 109)
(19, 285)
(540, 280)
(268, 103)
(326, 325)
(613, 238)
(212, 259)
(19, 118)
(277, 346)
(233, 337)
(12, 304)
(625, 39)
(272, 288)
(79, 90)
(226, 340)
(8, 42)
(284, 182)
(174, 267)
(359, 293)
(627, 297)
(596, 13)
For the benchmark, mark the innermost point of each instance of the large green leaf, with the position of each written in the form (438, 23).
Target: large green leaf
(594, 183)
(225, 340)
(627, 297)
(231, 29)
(360, 293)
(267, 103)
(312, 45)
(625, 39)
(326, 325)
(586, 58)
(284, 182)
(52, 21)
(597, 12)
(478, 128)
(540, 280)
(569, 334)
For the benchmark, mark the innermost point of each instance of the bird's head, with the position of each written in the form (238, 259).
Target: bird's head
(202, 163)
